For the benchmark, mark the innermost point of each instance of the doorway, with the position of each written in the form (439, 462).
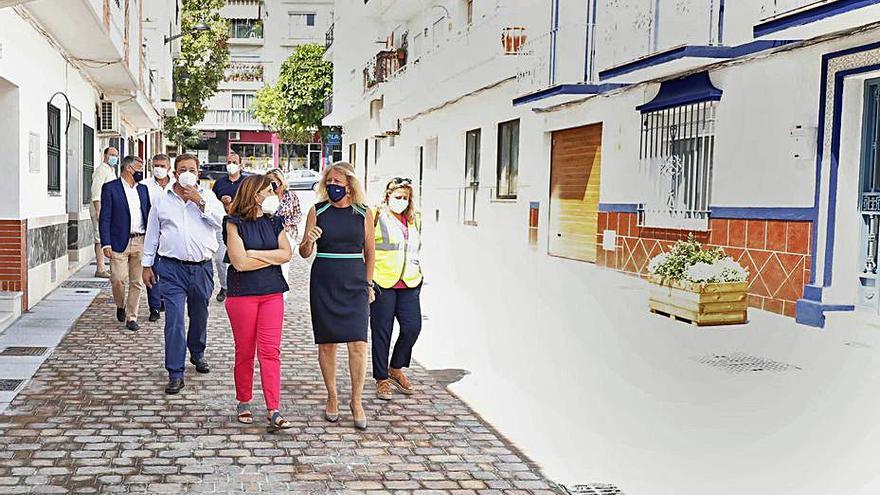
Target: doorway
(869, 202)
(575, 163)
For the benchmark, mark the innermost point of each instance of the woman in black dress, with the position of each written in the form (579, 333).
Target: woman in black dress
(341, 289)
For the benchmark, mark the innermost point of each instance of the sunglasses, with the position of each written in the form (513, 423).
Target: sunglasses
(401, 181)
(274, 186)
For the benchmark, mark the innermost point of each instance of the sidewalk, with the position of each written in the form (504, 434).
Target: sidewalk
(95, 419)
(594, 388)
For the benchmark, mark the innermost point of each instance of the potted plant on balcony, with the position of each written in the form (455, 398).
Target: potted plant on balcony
(512, 39)
(701, 286)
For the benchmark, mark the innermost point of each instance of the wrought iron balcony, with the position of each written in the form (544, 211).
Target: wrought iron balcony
(328, 37)
(244, 72)
(328, 105)
(382, 66)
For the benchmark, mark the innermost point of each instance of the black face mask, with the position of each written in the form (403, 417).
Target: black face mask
(138, 175)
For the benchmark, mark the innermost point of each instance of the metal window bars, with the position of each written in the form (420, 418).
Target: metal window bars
(676, 153)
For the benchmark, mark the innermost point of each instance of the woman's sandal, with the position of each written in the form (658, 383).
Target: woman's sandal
(245, 416)
(332, 417)
(277, 422)
(359, 424)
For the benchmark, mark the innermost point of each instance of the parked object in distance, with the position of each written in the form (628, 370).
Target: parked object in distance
(212, 171)
(303, 179)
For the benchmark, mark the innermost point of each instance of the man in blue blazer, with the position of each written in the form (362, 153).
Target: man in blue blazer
(125, 207)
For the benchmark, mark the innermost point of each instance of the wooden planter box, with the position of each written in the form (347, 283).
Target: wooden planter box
(712, 304)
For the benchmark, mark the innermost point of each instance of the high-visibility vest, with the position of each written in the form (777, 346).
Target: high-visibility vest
(397, 257)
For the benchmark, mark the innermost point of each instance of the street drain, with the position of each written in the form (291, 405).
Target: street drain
(23, 351)
(9, 385)
(86, 284)
(739, 362)
(594, 489)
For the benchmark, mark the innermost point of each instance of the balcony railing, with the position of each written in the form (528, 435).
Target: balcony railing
(244, 72)
(328, 105)
(328, 37)
(230, 116)
(245, 29)
(382, 66)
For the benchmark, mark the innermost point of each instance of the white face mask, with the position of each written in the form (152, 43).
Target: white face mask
(232, 168)
(270, 204)
(398, 205)
(160, 172)
(187, 179)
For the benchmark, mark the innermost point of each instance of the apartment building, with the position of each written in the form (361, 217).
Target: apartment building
(262, 35)
(65, 96)
(602, 131)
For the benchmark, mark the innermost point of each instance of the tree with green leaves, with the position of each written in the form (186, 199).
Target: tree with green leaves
(199, 69)
(294, 106)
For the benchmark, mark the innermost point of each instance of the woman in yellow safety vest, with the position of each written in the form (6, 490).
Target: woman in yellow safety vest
(398, 280)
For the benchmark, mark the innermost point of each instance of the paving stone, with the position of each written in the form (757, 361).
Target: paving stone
(95, 419)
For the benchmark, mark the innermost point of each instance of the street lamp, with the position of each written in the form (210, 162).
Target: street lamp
(197, 28)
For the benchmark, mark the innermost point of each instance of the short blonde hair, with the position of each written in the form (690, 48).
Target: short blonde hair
(410, 212)
(358, 195)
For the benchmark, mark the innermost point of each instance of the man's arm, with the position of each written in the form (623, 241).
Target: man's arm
(151, 240)
(213, 211)
(104, 216)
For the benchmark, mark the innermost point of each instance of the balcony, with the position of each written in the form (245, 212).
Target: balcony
(243, 75)
(380, 68)
(328, 37)
(328, 105)
(246, 32)
(807, 19)
(230, 118)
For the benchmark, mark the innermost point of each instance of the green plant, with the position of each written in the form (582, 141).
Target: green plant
(294, 106)
(689, 261)
(199, 68)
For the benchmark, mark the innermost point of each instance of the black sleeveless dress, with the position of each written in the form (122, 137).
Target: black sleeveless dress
(339, 297)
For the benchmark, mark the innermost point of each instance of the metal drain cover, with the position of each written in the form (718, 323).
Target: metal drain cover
(594, 489)
(9, 385)
(739, 362)
(86, 284)
(23, 351)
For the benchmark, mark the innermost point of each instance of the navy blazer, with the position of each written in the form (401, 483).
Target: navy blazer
(115, 221)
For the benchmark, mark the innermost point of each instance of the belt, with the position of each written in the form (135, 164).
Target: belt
(136, 234)
(358, 256)
(182, 262)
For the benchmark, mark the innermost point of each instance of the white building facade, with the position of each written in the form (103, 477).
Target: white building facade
(262, 35)
(603, 131)
(66, 96)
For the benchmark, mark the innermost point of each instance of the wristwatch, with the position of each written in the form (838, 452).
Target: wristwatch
(201, 202)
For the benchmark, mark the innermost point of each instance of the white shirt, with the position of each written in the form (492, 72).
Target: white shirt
(102, 174)
(157, 192)
(178, 229)
(134, 208)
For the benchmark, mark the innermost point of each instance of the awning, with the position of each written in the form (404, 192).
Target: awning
(563, 93)
(818, 19)
(695, 88)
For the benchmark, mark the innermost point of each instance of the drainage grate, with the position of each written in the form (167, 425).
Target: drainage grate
(739, 362)
(594, 489)
(9, 384)
(23, 351)
(86, 284)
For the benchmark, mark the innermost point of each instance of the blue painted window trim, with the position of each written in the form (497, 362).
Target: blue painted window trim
(618, 208)
(694, 88)
(809, 16)
(566, 89)
(693, 51)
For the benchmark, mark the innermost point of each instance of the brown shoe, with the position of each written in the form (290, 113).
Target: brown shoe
(399, 380)
(383, 389)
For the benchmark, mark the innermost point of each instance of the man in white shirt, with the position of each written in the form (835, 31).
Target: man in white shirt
(103, 173)
(180, 244)
(158, 184)
(125, 205)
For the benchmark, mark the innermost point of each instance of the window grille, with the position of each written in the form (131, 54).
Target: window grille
(53, 145)
(88, 163)
(676, 151)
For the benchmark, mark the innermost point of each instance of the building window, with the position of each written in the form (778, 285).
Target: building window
(245, 28)
(677, 152)
(352, 154)
(335, 153)
(255, 156)
(508, 159)
(377, 150)
(243, 101)
(53, 145)
(294, 156)
(88, 154)
(469, 11)
(298, 22)
(471, 176)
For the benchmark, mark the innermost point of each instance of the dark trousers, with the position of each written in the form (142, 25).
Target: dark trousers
(186, 289)
(404, 305)
(154, 296)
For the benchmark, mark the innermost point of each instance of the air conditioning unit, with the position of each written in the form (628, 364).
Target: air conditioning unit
(234, 135)
(108, 118)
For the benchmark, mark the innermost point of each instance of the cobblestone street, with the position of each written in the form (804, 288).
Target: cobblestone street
(95, 419)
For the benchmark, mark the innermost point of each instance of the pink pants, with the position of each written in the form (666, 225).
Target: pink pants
(256, 326)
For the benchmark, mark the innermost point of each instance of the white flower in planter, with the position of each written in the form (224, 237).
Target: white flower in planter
(656, 262)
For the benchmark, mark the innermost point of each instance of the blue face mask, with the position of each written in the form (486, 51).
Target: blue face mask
(112, 160)
(335, 192)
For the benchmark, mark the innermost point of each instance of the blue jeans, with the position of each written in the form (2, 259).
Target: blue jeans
(154, 296)
(186, 288)
(405, 306)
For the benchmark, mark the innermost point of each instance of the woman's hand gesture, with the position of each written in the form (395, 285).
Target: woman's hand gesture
(314, 234)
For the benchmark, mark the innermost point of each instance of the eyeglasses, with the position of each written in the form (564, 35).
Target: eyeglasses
(400, 181)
